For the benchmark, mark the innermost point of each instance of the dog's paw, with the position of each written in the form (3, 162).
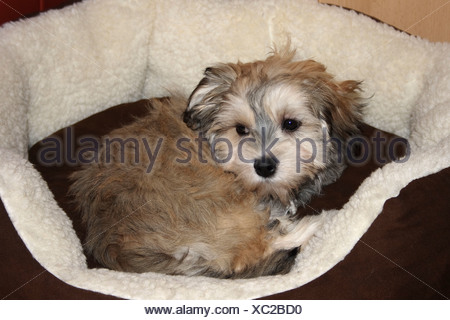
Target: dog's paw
(291, 209)
(295, 234)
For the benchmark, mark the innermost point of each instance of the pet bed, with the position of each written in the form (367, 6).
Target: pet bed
(66, 65)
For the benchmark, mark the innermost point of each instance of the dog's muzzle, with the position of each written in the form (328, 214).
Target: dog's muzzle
(265, 167)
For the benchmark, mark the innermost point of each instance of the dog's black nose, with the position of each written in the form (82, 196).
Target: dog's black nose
(265, 167)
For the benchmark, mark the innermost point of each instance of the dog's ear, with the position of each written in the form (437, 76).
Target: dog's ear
(344, 108)
(205, 100)
(339, 103)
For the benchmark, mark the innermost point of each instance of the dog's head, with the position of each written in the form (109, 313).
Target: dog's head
(274, 123)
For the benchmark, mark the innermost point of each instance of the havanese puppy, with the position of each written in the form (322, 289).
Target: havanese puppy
(210, 185)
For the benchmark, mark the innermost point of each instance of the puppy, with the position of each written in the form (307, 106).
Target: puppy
(210, 186)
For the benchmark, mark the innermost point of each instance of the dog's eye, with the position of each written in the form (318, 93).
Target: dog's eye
(241, 130)
(291, 125)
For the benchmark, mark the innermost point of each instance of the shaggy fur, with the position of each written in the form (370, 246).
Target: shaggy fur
(206, 199)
